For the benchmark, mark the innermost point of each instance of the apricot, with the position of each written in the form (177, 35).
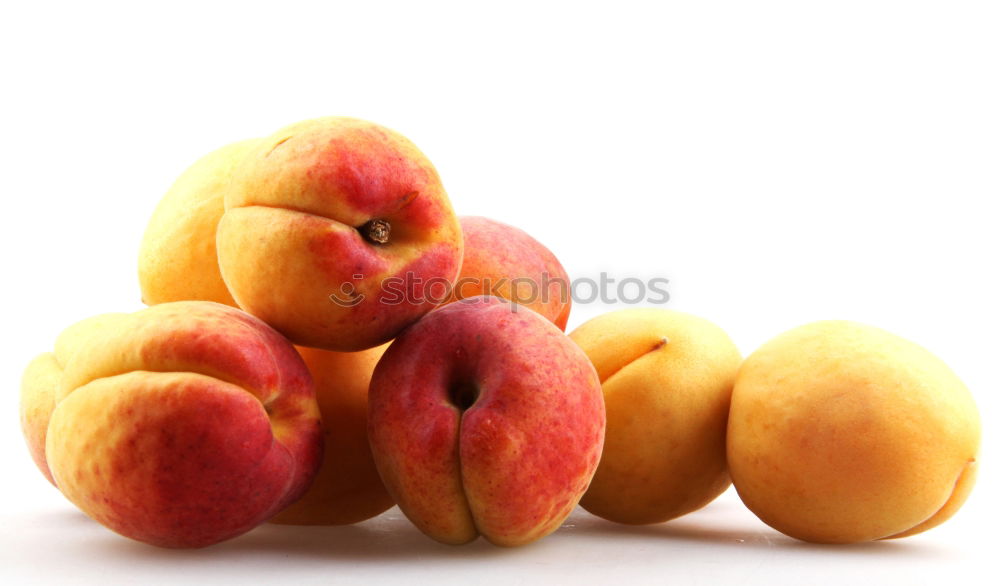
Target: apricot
(505, 261)
(177, 256)
(485, 419)
(667, 378)
(338, 233)
(347, 488)
(841, 432)
(41, 379)
(180, 425)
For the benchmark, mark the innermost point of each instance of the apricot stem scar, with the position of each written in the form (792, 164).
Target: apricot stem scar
(663, 341)
(376, 231)
(277, 144)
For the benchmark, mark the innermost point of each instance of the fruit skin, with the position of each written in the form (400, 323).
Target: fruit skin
(40, 383)
(183, 424)
(667, 378)
(305, 195)
(841, 432)
(513, 464)
(177, 256)
(497, 253)
(347, 488)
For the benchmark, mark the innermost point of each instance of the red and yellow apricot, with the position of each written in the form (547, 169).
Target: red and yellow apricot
(337, 232)
(180, 425)
(485, 419)
(177, 258)
(505, 261)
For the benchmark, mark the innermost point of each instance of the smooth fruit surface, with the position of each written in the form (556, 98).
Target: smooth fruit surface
(177, 256)
(180, 425)
(347, 488)
(338, 233)
(841, 432)
(507, 262)
(41, 380)
(485, 419)
(667, 378)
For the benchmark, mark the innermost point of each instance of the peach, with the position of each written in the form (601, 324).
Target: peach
(180, 425)
(177, 257)
(505, 261)
(338, 233)
(667, 379)
(485, 419)
(841, 432)
(347, 488)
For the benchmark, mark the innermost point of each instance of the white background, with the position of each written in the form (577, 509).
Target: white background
(779, 162)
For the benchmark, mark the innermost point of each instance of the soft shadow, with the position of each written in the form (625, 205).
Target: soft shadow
(389, 536)
(61, 517)
(702, 527)
(585, 524)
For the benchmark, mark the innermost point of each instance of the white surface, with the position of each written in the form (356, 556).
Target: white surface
(721, 544)
(779, 162)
